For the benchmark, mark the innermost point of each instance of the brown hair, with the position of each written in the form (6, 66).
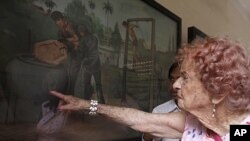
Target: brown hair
(223, 66)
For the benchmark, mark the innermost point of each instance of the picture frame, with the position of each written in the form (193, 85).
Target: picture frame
(137, 42)
(194, 32)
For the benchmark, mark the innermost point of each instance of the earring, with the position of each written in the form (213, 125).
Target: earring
(214, 110)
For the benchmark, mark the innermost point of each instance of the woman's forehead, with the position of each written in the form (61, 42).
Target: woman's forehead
(188, 67)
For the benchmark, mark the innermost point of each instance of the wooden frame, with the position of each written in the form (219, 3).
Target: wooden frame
(194, 32)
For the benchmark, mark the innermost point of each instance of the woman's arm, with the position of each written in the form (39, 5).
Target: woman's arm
(170, 125)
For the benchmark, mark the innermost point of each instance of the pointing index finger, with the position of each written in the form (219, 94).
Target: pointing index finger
(57, 94)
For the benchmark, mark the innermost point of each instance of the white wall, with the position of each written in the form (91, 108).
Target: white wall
(214, 17)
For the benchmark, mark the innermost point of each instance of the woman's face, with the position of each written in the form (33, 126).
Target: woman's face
(191, 94)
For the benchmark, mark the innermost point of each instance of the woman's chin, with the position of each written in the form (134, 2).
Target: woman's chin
(180, 103)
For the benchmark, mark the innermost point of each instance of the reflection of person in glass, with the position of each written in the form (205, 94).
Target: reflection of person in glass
(91, 65)
(212, 91)
(169, 106)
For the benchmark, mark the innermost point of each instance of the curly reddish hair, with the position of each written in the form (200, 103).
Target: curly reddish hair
(223, 67)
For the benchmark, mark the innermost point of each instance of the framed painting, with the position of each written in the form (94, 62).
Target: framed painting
(117, 52)
(194, 32)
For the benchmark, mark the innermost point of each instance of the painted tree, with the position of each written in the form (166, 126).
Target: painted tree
(108, 8)
(49, 4)
(75, 9)
(77, 13)
(98, 27)
(91, 5)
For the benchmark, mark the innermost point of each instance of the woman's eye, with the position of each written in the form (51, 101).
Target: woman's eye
(185, 76)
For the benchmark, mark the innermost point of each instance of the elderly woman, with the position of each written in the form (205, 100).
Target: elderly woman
(213, 93)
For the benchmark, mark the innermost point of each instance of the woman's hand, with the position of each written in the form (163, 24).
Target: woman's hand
(70, 103)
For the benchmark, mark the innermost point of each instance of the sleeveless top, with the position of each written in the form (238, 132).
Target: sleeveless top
(195, 131)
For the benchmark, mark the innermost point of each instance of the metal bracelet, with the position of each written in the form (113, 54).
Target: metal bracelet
(93, 107)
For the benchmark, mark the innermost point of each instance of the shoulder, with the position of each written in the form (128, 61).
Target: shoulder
(246, 121)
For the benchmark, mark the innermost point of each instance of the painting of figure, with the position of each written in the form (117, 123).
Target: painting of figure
(114, 51)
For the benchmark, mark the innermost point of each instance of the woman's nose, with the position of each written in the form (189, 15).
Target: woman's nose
(177, 84)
